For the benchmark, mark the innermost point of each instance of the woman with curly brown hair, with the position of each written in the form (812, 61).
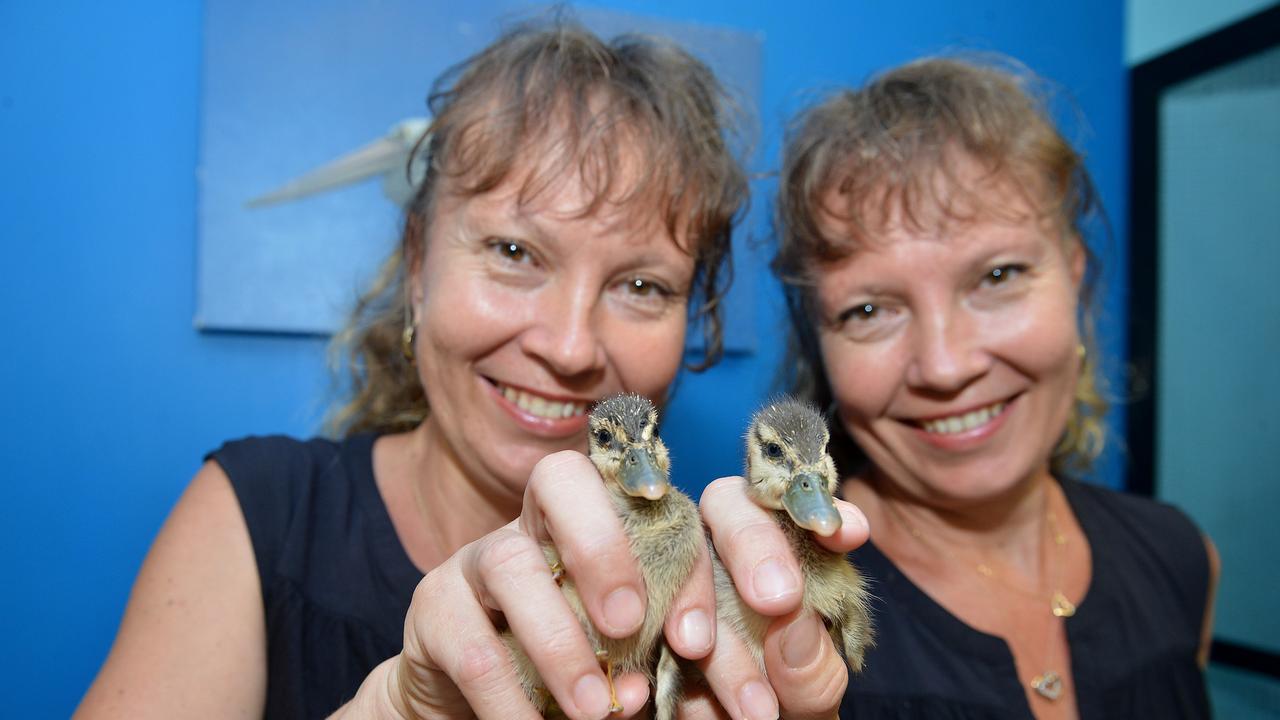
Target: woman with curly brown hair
(938, 279)
(576, 212)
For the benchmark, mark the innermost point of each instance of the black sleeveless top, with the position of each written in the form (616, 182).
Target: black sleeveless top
(1133, 638)
(336, 582)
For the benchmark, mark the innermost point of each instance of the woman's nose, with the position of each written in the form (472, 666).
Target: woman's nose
(949, 353)
(564, 332)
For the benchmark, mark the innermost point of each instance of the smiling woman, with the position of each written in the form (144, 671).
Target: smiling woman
(576, 210)
(932, 242)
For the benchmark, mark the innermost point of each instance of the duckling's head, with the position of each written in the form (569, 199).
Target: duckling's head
(623, 443)
(788, 467)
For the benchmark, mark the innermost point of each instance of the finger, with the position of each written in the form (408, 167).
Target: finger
(752, 547)
(700, 704)
(509, 569)
(853, 531)
(566, 492)
(808, 674)
(735, 677)
(690, 624)
(633, 693)
(453, 658)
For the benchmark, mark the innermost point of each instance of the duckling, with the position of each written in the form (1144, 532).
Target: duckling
(665, 531)
(789, 472)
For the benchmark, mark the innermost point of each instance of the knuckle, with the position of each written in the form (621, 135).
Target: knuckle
(832, 691)
(431, 590)
(560, 650)
(599, 550)
(481, 663)
(821, 694)
(719, 490)
(761, 536)
(509, 555)
(553, 466)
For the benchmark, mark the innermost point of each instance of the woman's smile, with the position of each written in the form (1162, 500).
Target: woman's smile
(538, 413)
(963, 430)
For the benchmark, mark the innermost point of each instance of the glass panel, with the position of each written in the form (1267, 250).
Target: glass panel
(1218, 438)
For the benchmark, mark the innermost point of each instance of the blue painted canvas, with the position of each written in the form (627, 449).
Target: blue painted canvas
(290, 86)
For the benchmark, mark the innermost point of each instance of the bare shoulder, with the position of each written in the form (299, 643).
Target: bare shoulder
(192, 641)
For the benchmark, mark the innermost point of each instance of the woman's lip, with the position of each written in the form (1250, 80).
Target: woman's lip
(966, 439)
(536, 424)
(499, 384)
(959, 413)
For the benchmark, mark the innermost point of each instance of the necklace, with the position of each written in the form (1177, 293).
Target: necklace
(1047, 684)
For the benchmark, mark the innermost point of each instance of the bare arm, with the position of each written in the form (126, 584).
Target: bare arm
(1206, 629)
(193, 640)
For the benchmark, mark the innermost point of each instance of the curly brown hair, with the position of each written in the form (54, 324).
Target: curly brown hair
(856, 155)
(588, 107)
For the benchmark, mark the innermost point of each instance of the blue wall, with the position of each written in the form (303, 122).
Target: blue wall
(114, 396)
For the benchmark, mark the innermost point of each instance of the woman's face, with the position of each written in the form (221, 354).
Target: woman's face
(952, 352)
(529, 314)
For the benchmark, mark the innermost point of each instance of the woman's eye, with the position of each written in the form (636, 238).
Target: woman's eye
(863, 312)
(645, 288)
(867, 321)
(511, 251)
(644, 295)
(1002, 274)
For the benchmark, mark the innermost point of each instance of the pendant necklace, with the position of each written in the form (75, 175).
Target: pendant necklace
(1048, 684)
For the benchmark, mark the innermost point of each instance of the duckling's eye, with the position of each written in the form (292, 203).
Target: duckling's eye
(604, 437)
(772, 450)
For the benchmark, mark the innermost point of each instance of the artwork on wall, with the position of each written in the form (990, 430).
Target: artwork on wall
(307, 113)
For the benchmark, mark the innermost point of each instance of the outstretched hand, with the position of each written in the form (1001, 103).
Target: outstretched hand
(454, 663)
(806, 675)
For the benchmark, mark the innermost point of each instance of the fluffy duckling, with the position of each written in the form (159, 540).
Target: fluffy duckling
(665, 532)
(789, 472)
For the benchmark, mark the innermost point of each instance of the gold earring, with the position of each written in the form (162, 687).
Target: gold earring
(1081, 351)
(408, 339)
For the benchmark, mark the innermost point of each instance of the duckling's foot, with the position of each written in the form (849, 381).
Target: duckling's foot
(607, 666)
(557, 572)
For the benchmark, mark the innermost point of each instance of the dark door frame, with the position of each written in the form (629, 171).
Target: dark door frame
(1147, 82)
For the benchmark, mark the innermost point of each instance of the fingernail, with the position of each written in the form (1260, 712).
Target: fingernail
(757, 701)
(591, 696)
(695, 630)
(772, 580)
(623, 610)
(801, 642)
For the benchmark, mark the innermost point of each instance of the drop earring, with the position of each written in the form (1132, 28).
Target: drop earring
(409, 336)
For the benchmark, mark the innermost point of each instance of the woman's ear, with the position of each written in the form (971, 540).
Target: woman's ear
(1079, 259)
(413, 252)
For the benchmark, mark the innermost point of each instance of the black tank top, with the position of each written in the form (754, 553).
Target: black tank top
(336, 585)
(1133, 638)
(336, 582)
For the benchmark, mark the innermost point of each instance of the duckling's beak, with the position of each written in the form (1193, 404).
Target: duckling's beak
(810, 506)
(640, 475)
